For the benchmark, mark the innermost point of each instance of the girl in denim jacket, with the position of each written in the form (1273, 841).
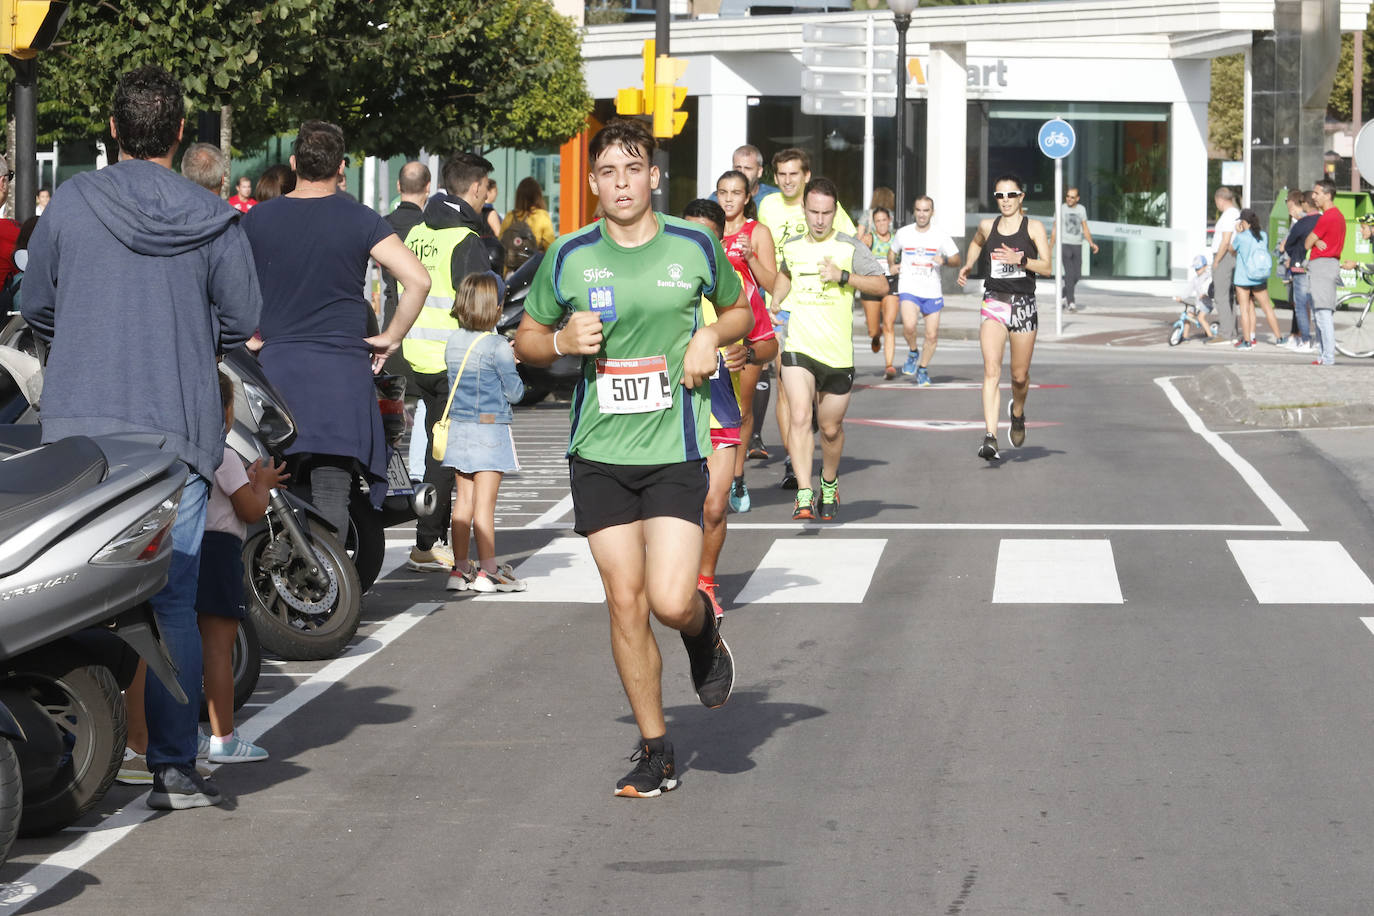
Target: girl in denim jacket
(480, 447)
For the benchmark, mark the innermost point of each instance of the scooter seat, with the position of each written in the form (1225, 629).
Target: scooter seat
(33, 483)
(19, 438)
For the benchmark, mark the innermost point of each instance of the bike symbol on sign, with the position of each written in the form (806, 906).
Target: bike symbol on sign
(1056, 138)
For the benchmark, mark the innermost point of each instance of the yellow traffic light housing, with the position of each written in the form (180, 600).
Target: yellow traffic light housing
(668, 97)
(29, 26)
(629, 102)
(649, 61)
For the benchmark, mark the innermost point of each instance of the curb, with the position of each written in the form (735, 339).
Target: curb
(1223, 389)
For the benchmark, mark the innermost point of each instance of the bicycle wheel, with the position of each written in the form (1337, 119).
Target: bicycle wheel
(1358, 339)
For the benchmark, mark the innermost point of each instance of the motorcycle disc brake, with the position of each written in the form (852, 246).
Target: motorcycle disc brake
(299, 598)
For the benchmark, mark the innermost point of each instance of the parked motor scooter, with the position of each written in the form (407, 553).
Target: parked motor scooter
(84, 542)
(21, 385)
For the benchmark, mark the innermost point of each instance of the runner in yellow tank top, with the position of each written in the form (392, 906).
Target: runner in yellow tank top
(782, 213)
(817, 276)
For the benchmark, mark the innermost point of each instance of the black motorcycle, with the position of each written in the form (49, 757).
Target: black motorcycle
(302, 591)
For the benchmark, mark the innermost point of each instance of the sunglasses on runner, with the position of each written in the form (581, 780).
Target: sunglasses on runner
(1003, 195)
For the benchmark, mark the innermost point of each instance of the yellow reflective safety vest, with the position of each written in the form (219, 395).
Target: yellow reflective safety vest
(424, 343)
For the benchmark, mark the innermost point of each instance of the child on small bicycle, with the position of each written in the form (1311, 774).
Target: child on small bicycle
(1197, 297)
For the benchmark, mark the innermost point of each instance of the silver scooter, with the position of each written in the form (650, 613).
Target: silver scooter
(85, 541)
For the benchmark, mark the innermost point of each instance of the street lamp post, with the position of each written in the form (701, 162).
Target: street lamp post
(901, 14)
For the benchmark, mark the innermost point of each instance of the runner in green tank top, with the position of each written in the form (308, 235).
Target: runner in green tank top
(817, 276)
(632, 285)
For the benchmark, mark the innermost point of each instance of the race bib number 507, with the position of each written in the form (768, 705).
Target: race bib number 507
(633, 385)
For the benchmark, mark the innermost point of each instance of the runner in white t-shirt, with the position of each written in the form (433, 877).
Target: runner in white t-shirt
(919, 251)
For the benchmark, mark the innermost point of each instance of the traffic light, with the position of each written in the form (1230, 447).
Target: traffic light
(668, 97)
(29, 26)
(637, 101)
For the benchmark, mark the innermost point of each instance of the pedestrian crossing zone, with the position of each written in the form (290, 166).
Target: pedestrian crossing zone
(1082, 571)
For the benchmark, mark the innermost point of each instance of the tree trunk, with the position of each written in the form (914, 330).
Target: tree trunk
(226, 136)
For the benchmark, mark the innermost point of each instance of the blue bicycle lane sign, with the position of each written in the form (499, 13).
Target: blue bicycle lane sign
(1056, 138)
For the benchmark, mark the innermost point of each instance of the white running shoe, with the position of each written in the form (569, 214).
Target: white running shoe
(235, 750)
(503, 580)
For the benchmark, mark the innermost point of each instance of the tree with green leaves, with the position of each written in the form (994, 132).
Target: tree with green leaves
(233, 58)
(397, 75)
(458, 74)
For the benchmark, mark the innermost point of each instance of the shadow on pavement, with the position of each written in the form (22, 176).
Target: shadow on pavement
(1025, 453)
(724, 740)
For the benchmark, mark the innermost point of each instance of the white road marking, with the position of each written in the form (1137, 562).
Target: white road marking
(1031, 571)
(92, 841)
(563, 571)
(942, 426)
(1287, 518)
(1302, 572)
(549, 518)
(818, 572)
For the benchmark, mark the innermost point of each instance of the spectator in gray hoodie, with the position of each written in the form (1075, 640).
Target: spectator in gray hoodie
(137, 279)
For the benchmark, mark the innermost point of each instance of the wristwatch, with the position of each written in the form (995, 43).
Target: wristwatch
(1024, 258)
(748, 355)
(844, 278)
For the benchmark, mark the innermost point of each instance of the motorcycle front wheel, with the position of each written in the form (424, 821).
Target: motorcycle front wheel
(74, 717)
(295, 617)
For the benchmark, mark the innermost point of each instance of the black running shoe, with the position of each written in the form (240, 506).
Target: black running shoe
(789, 479)
(1018, 427)
(756, 449)
(654, 773)
(988, 450)
(176, 788)
(713, 668)
(830, 500)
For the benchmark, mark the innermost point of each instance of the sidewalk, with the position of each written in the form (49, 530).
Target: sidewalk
(1268, 387)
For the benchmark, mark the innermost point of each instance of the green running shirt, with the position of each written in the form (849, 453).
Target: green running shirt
(649, 299)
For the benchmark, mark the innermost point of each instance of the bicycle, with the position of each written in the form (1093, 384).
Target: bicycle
(1358, 340)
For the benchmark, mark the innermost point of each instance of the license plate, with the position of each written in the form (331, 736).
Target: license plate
(398, 476)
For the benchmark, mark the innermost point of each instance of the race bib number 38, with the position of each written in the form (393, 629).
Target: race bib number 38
(633, 385)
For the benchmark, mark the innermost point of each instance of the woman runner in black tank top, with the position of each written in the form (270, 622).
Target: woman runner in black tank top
(1012, 249)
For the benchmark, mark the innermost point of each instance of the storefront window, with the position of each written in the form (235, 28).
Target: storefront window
(836, 146)
(1120, 164)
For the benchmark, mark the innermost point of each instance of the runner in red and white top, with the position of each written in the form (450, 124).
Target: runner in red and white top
(750, 247)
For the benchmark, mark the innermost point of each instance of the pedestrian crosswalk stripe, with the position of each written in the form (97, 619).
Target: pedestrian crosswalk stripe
(1302, 572)
(1055, 571)
(563, 572)
(833, 571)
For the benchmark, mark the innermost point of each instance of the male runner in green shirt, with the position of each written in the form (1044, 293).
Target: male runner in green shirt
(632, 285)
(817, 275)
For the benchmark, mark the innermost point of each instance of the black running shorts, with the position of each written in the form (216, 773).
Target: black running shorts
(828, 378)
(605, 495)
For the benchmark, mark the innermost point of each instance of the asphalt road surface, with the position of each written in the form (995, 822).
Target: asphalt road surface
(1126, 669)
